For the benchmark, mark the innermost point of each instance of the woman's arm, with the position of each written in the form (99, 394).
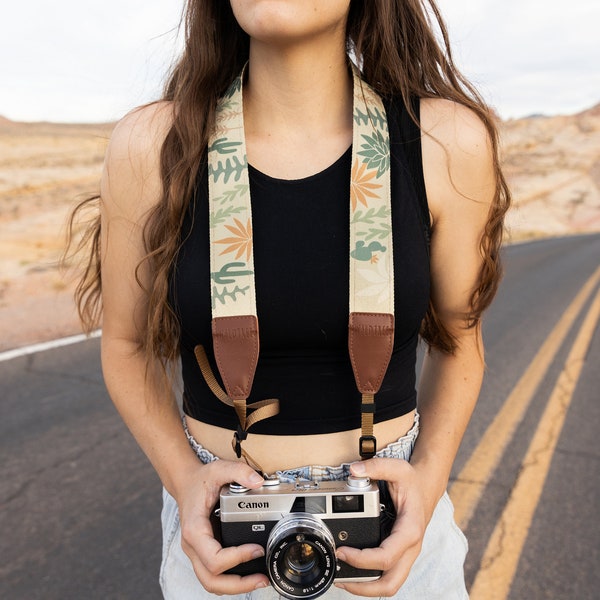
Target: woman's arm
(460, 183)
(130, 187)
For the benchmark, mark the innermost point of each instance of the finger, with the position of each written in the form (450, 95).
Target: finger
(367, 558)
(387, 585)
(385, 556)
(390, 581)
(211, 562)
(222, 472)
(217, 560)
(232, 584)
(199, 543)
(388, 469)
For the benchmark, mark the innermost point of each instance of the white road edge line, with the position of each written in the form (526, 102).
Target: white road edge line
(41, 347)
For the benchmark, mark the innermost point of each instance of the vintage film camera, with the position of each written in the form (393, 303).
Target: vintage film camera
(299, 525)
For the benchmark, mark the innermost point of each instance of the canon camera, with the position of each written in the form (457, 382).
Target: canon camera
(299, 525)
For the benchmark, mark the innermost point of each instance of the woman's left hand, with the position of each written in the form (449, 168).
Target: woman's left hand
(397, 553)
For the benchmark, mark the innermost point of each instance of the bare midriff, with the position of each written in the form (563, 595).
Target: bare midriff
(279, 452)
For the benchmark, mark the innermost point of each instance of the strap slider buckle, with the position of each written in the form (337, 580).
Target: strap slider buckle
(367, 446)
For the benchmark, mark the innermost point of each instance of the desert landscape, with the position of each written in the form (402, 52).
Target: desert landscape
(552, 163)
(45, 168)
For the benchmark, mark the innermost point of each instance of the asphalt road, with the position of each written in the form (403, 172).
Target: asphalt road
(80, 505)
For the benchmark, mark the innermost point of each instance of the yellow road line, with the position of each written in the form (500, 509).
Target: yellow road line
(501, 558)
(470, 484)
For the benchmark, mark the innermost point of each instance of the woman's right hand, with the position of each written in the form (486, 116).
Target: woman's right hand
(209, 559)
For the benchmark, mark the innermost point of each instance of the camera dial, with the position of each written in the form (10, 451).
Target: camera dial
(236, 488)
(358, 482)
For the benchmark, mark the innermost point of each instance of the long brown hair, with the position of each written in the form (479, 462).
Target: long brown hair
(403, 49)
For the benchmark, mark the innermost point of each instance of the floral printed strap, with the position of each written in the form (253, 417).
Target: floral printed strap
(371, 255)
(231, 256)
(233, 294)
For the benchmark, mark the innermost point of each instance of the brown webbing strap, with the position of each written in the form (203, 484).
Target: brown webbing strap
(368, 443)
(249, 460)
(262, 409)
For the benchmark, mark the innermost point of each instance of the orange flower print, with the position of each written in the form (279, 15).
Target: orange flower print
(241, 241)
(361, 186)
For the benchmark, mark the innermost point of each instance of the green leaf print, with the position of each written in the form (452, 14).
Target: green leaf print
(226, 293)
(373, 115)
(226, 105)
(230, 194)
(235, 87)
(375, 152)
(380, 232)
(221, 215)
(227, 168)
(369, 216)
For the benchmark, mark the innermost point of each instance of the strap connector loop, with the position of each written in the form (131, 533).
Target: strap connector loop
(367, 446)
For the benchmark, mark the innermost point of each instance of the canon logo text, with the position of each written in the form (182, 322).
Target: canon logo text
(253, 504)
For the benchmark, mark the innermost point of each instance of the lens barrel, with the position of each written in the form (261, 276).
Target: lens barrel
(300, 556)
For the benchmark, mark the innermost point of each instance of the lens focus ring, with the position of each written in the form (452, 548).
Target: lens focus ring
(300, 556)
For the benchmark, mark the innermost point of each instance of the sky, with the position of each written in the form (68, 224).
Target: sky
(79, 61)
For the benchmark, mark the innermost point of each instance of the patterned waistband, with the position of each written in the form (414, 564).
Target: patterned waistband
(401, 448)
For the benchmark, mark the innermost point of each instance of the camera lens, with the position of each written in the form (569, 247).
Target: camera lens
(301, 556)
(300, 559)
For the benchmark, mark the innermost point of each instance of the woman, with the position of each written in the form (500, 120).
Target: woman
(151, 264)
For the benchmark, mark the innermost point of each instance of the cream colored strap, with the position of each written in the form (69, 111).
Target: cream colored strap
(233, 294)
(371, 253)
(231, 257)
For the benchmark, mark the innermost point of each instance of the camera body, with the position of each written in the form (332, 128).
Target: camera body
(299, 525)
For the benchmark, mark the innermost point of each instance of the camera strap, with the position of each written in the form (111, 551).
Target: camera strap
(233, 294)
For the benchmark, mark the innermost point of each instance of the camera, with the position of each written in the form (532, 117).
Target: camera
(299, 525)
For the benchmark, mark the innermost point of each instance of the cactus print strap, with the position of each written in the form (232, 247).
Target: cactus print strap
(233, 293)
(371, 256)
(231, 257)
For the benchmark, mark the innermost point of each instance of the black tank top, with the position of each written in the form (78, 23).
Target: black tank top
(301, 240)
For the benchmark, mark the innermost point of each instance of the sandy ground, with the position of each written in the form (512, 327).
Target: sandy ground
(44, 170)
(553, 167)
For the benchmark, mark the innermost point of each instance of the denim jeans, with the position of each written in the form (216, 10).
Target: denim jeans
(437, 574)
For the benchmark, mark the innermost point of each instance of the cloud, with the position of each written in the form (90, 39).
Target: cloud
(528, 56)
(70, 60)
(74, 61)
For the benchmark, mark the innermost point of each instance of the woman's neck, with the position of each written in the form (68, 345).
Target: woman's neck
(297, 106)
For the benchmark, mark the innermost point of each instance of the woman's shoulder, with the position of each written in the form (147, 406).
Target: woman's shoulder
(141, 132)
(458, 157)
(456, 127)
(131, 177)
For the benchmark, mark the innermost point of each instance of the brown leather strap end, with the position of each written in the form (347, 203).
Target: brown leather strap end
(370, 341)
(236, 346)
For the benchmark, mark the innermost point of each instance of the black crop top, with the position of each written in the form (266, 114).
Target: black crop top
(301, 241)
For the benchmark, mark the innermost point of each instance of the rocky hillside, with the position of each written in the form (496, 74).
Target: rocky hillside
(553, 167)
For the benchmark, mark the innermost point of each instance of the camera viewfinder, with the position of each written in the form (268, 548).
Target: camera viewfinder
(347, 504)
